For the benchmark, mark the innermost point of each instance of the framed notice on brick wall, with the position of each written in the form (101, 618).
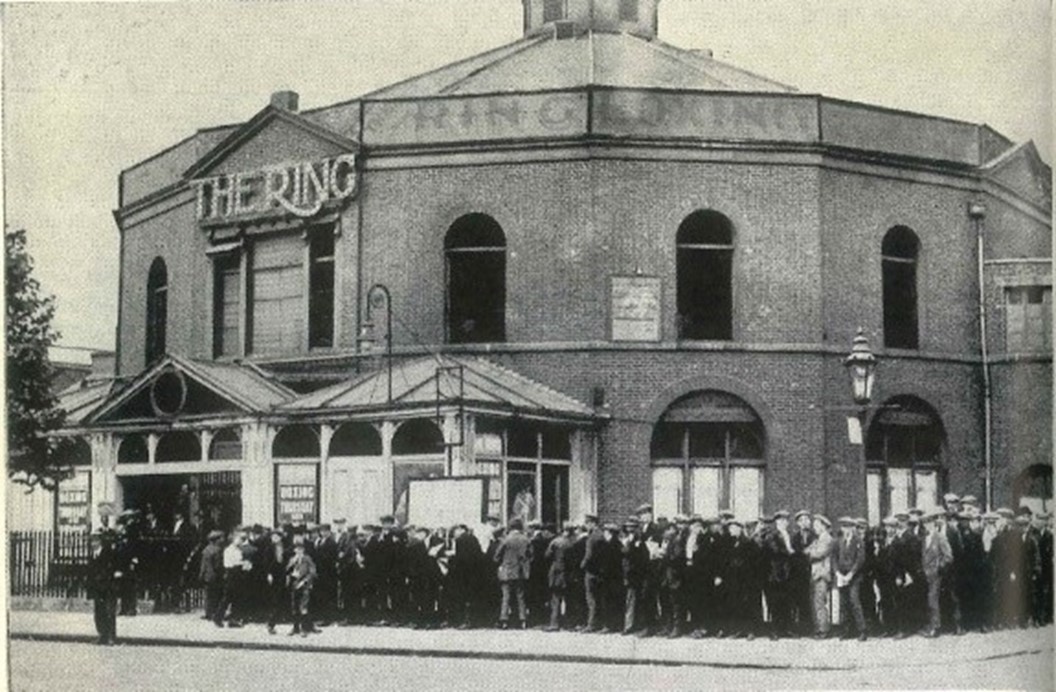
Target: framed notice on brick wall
(635, 308)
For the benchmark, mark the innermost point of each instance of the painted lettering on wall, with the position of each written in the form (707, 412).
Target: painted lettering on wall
(300, 188)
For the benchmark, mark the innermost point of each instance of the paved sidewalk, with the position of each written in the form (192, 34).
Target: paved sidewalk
(803, 654)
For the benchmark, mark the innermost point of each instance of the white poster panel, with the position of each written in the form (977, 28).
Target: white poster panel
(746, 492)
(898, 479)
(706, 490)
(927, 490)
(874, 482)
(667, 492)
(437, 502)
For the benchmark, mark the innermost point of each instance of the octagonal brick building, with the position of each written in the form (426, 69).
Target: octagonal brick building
(618, 272)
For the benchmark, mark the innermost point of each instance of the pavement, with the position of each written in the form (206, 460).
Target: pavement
(189, 630)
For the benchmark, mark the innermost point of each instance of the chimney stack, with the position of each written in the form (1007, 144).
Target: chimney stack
(286, 100)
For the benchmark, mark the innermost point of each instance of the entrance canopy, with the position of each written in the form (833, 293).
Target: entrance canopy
(443, 382)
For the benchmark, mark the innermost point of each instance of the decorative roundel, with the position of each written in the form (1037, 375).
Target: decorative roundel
(168, 393)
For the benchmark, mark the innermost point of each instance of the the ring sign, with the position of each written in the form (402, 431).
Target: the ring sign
(297, 188)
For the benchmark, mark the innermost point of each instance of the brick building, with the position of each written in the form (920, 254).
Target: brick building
(617, 271)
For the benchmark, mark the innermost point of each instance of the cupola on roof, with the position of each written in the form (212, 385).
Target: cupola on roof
(566, 17)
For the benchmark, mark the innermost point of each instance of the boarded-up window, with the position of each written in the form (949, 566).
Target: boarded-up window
(278, 295)
(227, 301)
(1028, 318)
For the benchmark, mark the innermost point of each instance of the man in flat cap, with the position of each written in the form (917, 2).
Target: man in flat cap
(949, 525)
(649, 605)
(971, 572)
(300, 577)
(1042, 534)
(908, 578)
(592, 566)
(936, 555)
(324, 596)
(800, 583)
(819, 553)
(635, 568)
(557, 556)
(779, 552)
(211, 572)
(884, 575)
(848, 560)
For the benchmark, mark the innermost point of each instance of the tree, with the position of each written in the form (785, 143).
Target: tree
(32, 407)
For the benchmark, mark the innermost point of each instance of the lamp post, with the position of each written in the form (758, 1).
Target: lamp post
(378, 294)
(861, 366)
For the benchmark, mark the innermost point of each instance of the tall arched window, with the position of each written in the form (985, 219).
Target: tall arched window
(904, 453)
(157, 309)
(708, 452)
(899, 266)
(475, 248)
(704, 249)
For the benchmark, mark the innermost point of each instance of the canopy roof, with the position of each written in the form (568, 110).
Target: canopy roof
(473, 382)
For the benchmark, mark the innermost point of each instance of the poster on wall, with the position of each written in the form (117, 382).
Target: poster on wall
(75, 502)
(297, 493)
(436, 502)
(403, 472)
(635, 308)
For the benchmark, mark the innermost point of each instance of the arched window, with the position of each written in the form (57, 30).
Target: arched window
(899, 266)
(418, 436)
(1034, 489)
(296, 442)
(708, 452)
(226, 445)
(157, 309)
(356, 440)
(475, 248)
(178, 445)
(904, 453)
(704, 257)
(132, 450)
(553, 10)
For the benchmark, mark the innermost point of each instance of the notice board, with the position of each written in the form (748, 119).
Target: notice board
(436, 502)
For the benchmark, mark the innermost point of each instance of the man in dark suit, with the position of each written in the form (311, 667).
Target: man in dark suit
(952, 609)
(779, 552)
(799, 584)
(906, 573)
(849, 558)
(514, 557)
(423, 580)
(348, 572)
(324, 595)
(592, 567)
(1042, 533)
(673, 565)
(734, 571)
(557, 557)
(651, 534)
(104, 573)
(211, 572)
(635, 564)
(540, 537)
(466, 566)
(575, 598)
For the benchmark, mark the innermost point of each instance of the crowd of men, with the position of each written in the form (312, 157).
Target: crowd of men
(951, 570)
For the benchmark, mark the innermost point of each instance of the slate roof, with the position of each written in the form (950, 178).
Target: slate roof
(591, 58)
(81, 398)
(486, 385)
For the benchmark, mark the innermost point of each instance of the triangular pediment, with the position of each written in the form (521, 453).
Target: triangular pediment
(1022, 170)
(181, 389)
(273, 136)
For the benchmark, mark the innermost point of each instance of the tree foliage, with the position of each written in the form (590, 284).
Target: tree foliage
(32, 407)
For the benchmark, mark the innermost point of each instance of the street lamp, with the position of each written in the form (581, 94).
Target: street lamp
(861, 366)
(377, 296)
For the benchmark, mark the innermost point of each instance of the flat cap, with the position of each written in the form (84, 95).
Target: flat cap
(901, 516)
(861, 522)
(781, 514)
(933, 515)
(726, 514)
(642, 509)
(1023, 519)
(609, 526)
(697, 519)
(735, 522)
(324, 527)
(846, 521)
(969, 500)
(801, 513)
(823, 519)
(591, 518)
(951, 497)
(917, 511)
(890, 521)
(387, 519)
(340, 521)
(991, 516)
(1005, 512)
(215, 534)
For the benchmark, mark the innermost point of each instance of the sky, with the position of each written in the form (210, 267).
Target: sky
(91, 88)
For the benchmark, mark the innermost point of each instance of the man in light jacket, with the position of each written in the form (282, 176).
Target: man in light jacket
(850, 557)
(819, 552)
(514, 556)
(936, 554)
